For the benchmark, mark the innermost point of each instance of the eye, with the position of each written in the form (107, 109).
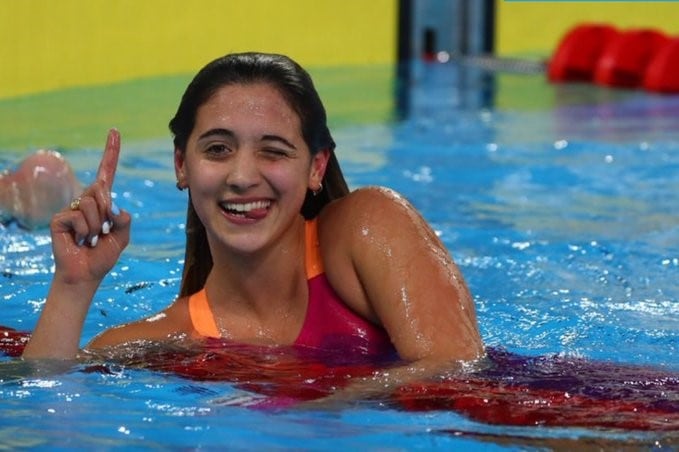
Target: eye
(275, 152)
(216, 149)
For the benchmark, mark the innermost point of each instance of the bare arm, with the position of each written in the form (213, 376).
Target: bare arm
(86, 243)
(404, 276)
(393, 270)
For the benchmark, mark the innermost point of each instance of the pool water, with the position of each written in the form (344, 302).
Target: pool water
(563, 218)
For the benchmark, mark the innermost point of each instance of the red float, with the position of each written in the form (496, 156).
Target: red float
(601, 54)
(626, 57)
(510, 390)
(579, 51)
(662, 74)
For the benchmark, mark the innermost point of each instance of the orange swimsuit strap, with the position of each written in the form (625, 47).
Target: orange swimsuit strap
(201, 315)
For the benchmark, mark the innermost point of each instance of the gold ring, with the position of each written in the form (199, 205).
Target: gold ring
(75, 204)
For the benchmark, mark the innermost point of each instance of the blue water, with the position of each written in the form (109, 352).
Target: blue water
(564, 221)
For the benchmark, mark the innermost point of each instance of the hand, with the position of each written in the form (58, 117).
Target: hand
(88, 238)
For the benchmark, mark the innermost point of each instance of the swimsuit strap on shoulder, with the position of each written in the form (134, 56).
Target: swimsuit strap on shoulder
(201, 315)
(313, 261)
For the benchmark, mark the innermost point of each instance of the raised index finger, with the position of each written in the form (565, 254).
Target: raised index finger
(109, 161)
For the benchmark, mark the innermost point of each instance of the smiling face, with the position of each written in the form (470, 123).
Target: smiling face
(247, 166)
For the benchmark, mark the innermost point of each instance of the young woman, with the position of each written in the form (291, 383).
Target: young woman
(278, 250)
(41, 185)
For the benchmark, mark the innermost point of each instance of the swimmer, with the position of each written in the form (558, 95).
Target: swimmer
(42, 184)
(278, 250)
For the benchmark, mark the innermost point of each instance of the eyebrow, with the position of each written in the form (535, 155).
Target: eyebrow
(217, 132)
(279, 139)
(230, 134)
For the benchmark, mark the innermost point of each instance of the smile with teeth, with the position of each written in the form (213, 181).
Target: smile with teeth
(244, 208)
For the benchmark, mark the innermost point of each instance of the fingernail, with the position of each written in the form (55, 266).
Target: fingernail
(94, 240)
(106, 227)
(114, 209)
(81, 241)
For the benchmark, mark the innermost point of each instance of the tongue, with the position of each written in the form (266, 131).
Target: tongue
(256, 214)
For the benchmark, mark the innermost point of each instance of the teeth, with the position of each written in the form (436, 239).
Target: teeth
(247, 206)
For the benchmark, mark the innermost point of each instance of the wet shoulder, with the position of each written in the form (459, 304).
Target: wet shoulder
(353, 229)
(357, 213)
(170, 322)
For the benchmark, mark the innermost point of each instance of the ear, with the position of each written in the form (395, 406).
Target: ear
(318, 164)
(179, 169)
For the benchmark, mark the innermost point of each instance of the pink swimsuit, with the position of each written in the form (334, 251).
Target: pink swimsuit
(329, 324)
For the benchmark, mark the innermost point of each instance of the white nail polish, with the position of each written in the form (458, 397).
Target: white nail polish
(81, 242)
(106, 227)
(94, 240)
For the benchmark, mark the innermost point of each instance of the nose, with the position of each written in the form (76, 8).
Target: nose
(243, 172)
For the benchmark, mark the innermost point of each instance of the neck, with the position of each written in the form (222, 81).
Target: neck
(261, 283)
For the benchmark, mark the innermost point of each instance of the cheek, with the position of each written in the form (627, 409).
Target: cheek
(204, 186)
(204, 183)
(289, 180)
(204, 176)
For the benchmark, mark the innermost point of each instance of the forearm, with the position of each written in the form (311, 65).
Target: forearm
(383, 382)
(57, 333)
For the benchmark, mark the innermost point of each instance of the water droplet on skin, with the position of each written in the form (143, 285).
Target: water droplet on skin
(157, 317)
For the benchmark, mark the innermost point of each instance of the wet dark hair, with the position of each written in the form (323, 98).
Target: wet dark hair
(296, 86)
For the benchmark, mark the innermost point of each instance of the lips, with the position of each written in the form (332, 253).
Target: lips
(249, 209)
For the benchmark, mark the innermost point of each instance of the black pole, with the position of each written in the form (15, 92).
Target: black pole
(489, 27)
(404, 58)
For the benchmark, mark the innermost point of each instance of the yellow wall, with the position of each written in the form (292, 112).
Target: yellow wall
(535, 27)
(46, 45)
